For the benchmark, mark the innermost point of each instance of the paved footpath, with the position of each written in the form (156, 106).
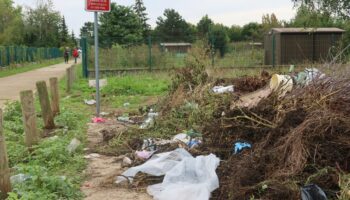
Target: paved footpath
(11, 86)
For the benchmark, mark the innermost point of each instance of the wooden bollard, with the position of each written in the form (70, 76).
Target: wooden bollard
(69, 79)
(29, 118)
(45, 105)
(55, 98)
(5, 184)
(73, 73)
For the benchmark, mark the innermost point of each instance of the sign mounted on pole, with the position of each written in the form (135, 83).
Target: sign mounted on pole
(98, 5)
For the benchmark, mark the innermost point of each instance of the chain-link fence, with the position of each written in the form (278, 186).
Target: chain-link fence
(19, 54)
(153, 53)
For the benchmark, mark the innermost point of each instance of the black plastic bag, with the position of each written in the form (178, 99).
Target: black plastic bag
(312, 192)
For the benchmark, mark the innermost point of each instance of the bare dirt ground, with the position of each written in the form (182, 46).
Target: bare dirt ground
(11, 86)
(102, 170)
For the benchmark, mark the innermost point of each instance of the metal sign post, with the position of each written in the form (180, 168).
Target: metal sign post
(97, 6)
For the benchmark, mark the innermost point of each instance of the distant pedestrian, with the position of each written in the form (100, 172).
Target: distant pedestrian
(75, 55)
(66, 55)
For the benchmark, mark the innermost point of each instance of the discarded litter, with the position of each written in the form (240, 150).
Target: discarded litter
(308, 75)
(126, 104)
(238, 147)
(191, 138)
(93, 155)
(182, 137)
(149, 145)
(185, 178)
(125, 119)
(283, 83)
(144, 155)
(312, 192)
(149, 120)
(104, 114)
(126, 162)
(73, 145)
(19, 178)
(103, 83)
(98, 120)
(223, 89)
(90, 102)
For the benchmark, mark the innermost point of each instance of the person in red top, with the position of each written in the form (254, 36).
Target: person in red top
(75, 54)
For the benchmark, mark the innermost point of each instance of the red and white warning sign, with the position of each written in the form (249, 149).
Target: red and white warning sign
(98, 5)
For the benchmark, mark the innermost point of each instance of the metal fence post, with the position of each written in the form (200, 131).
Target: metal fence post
(150, 53)
(83, 45)
(273, 50)
(8, 55)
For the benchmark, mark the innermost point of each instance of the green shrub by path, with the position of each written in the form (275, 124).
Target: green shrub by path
(53, 172)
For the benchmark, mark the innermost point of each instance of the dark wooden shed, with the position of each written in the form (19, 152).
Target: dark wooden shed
(284, 46)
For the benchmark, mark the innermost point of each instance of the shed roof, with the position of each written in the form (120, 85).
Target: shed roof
(175, 44)
(308, 30)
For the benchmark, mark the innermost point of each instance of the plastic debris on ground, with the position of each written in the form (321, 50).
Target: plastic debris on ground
(127, 162)
(127, 104)
(149, 145)
(103, 83)
(93, 155)
(191, 138)
(125, 119)
(186, 177)
(144, 155)
(104, 113)
(73, 145)
(239, 146)
(223, 89)
(90, 102)
(19, 178)
(312, 192)
(308, 75)
(98, 120)
(149, 120)
(282, 83)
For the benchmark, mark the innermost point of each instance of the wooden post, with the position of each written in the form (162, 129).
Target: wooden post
(55, 98)
(5, 184)
(29, 118)
(73, 73)
(45, 105)
(69, 79)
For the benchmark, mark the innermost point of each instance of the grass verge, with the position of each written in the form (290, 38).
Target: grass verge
(28, 67)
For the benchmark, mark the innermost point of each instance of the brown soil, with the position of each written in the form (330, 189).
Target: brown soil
(101, 171)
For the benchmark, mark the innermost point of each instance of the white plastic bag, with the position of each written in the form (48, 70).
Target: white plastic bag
(186, 178)
(222, 89)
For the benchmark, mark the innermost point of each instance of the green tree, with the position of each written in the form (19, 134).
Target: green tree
(270, 21)
(235, 33)
(140, 11)
(42, 25)
(204, 26)
(87, 31)
(306, 17)
(64, 38)
(173, 28)
(11, 23)
(120, 26)
(73, 39)
(252, 31)
(339, 8)
(219, 39)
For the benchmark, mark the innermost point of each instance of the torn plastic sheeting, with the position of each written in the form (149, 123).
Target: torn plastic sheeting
(158, 165)
(312, 192)
(238, 147)
(191, 179)
(144, 155)
(223, 89)
(125, 119)
(309, 75)
(149, 120)
(185, 178)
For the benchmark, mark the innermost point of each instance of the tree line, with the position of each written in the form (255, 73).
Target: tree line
(40, 26)
(127, 25)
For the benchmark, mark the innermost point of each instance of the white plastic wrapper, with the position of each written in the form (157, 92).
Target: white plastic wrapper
(186, 177)
(222, 89)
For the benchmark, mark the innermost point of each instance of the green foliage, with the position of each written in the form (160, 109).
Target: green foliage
(204, 26)
(173, 28)
(219, 38)
(235, 33)
(339, 8)
(11, 23)
(120, 26)
(88, 31)
(42, 26)
(252, 31)
(63, 30)
(270, 21)
(140, 11)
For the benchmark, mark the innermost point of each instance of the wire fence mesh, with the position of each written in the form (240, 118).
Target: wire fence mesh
(20, 54)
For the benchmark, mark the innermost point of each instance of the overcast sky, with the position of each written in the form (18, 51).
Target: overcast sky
(227, 12)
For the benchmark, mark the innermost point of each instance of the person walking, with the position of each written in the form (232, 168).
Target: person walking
(66, 55)
(75, 55)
